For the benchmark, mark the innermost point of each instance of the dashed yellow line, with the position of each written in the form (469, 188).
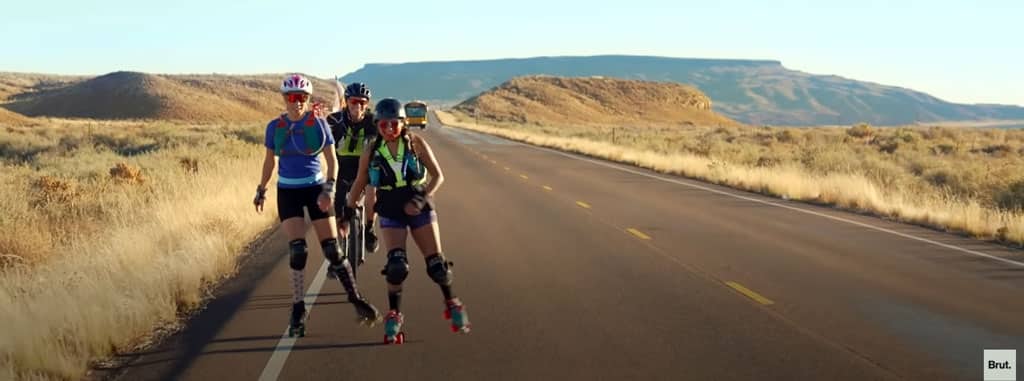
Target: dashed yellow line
(749, 293)
(494, 162)
(583, 204)
(524, 176)
(547, 188)
(508, 169)
(638, 234)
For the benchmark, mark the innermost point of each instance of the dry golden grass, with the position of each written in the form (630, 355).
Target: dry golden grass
(961, 180)
(11, 118)
(113, 229)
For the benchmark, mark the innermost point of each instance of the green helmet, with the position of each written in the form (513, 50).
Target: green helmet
(388, 108)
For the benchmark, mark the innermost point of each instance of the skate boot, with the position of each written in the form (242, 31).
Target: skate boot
(331, 274)
(456, 312)
(367, 313)
(393, 328)
(297, 323)
(371, 239)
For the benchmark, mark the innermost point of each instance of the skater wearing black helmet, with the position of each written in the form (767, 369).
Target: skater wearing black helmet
(397, 164)
(353, 129)
(298, 137)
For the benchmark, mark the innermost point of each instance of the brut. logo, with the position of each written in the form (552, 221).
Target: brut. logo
(1000, 365)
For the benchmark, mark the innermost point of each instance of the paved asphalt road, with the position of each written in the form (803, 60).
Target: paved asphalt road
(578, 269)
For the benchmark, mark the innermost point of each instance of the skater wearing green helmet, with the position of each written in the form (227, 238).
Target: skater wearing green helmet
(398, 164)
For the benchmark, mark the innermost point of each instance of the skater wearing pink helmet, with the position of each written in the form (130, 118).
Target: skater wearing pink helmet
(297, 138)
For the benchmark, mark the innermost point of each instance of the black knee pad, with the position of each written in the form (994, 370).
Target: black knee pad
(297, 253)
(332, 251)
(397, 268)
(437, 269)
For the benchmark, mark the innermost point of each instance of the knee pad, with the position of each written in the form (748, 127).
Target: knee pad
(332, 251)
(437, 269)
(297, 254)
(397, 268)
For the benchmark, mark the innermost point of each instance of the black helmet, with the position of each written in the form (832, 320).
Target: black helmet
(357, 89)
(389, 108)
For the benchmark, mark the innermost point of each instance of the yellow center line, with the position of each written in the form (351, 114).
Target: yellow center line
(523, 176)
(583, 204)
(507, 169)
(749, 293)
(638, 234)
(494, 162)
(547, 188)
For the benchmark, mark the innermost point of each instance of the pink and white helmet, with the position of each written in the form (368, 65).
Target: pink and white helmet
(296, 83)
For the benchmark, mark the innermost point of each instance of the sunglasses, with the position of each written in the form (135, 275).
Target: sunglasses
(358, 101)
(297, 97)
(387, 123)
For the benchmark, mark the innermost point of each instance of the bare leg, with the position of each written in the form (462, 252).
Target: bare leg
(428, 239)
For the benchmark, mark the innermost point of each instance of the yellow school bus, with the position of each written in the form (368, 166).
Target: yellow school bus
(416, 114)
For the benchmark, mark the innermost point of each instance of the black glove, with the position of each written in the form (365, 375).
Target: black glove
(261, 195)
(347, 213)
(419, 200)
(328, 189)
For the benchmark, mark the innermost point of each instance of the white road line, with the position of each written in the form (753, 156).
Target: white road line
(834, 218)
(284, 346)
(462, 137)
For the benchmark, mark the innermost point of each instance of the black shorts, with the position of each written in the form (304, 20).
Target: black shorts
(290, 202)
(391, 203)
(348, 167)
(341, 196)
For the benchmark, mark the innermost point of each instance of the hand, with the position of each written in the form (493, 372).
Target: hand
(326, 196)
(415, 205)
(412, 209)
(324, 202)
(261, 197)
(343, 228)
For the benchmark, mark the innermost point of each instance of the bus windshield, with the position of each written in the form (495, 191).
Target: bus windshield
(415, 111)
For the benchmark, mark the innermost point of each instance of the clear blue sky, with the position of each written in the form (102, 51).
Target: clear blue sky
(961, 51)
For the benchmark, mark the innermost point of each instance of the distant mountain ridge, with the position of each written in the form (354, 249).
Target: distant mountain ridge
(750, 91)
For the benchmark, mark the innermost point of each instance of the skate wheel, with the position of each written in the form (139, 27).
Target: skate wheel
(367, 322)
(398, 339)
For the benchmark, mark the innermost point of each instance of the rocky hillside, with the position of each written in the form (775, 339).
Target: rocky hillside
(607, 101)
(133, 95)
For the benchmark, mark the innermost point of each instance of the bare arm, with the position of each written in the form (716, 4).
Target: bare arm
(426, 155)
(362, 177)
(268, 168)
(332, 162)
